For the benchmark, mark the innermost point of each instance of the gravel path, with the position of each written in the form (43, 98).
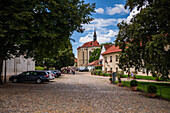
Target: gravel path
(80, 93)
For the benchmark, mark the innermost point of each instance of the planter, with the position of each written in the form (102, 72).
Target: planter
(134, 88)
(111, 82)
(151, 95)
(110, 75)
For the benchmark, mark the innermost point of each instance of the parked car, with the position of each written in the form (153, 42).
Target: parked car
(38, 76)
(81, 69)
(56, 73)
(51, 75)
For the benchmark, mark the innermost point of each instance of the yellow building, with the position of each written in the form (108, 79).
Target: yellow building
(110, 61)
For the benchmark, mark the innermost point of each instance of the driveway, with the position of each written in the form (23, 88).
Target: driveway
(79, 93)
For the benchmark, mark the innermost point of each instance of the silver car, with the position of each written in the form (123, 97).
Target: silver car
(51, 75)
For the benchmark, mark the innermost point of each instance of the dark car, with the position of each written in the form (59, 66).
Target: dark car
(38, 76)
(56, 73)
(81, 69)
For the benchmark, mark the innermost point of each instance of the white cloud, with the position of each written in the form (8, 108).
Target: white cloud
(119, 8)
(134, 12)
(101, 36)
(101, 24)
(99, 10)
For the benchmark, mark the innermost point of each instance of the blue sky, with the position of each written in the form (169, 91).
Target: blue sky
(108, 14)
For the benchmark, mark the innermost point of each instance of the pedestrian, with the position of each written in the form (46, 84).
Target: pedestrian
(128, 75)
(73, 72)
(132, 74)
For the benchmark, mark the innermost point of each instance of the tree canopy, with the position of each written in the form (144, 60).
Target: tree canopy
(37, 28)
(95, 55)
(145, 40)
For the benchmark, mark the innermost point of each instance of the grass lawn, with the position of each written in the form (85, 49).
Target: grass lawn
(163, 89)
(143, 77)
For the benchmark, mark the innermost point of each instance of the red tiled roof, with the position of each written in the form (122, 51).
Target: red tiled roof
(96, 62)
(107, 46)
(112, 49)
(90, 44)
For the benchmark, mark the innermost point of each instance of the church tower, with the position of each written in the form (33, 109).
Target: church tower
(94, 36)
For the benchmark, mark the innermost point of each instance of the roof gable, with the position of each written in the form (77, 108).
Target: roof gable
(112, 49)
(90, 44)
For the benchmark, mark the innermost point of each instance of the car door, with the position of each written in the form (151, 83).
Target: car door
(33, 75)
(24, 76)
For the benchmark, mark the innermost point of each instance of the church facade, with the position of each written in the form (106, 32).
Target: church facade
(84, 51)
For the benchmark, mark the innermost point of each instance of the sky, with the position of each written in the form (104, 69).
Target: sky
(108, 14)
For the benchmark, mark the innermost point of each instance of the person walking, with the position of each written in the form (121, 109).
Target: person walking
(132, 74)
(128, 75)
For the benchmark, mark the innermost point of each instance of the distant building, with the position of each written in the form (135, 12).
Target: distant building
(17, 65)
(84, 51)
(104, 48)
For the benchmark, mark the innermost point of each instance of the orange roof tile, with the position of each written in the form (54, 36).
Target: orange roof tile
(107, 46)
(112, 49)
(90, 44)
(96, 62)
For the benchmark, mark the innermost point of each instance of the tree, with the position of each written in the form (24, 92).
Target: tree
(95, 55)
(145, 40)
(38, 28)
(110, 43)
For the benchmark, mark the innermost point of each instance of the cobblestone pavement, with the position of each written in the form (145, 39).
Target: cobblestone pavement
(80, 93)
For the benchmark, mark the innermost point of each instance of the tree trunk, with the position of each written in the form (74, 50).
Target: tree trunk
(1, 68)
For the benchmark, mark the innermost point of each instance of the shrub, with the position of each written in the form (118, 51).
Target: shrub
(39, 68)
(107, 74)
(98, 67)
(133, 83)
(97, 73)
(152, 89)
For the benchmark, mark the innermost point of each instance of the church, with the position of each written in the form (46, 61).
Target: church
(84, 51)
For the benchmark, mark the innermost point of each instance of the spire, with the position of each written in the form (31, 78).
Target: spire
(94, 35)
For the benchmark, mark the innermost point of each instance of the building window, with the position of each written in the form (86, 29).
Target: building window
(83, 57)
(117, 69)
(106, 70)
(111, 70)
(110, 58)
(105, 59)
(89, 54)
(116, 58)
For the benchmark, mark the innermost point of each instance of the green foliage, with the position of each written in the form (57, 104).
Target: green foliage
(163, 89)
(40, 28)
(133, 83)
(152, 89)
(95, 55)
(106, 74)
(39, 68)
(101, 45)
(144, 40)
(98, 67)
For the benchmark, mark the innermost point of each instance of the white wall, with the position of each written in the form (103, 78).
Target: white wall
(18, 65)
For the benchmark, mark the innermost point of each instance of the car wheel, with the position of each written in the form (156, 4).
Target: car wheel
(15, 80)
(38, 81)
